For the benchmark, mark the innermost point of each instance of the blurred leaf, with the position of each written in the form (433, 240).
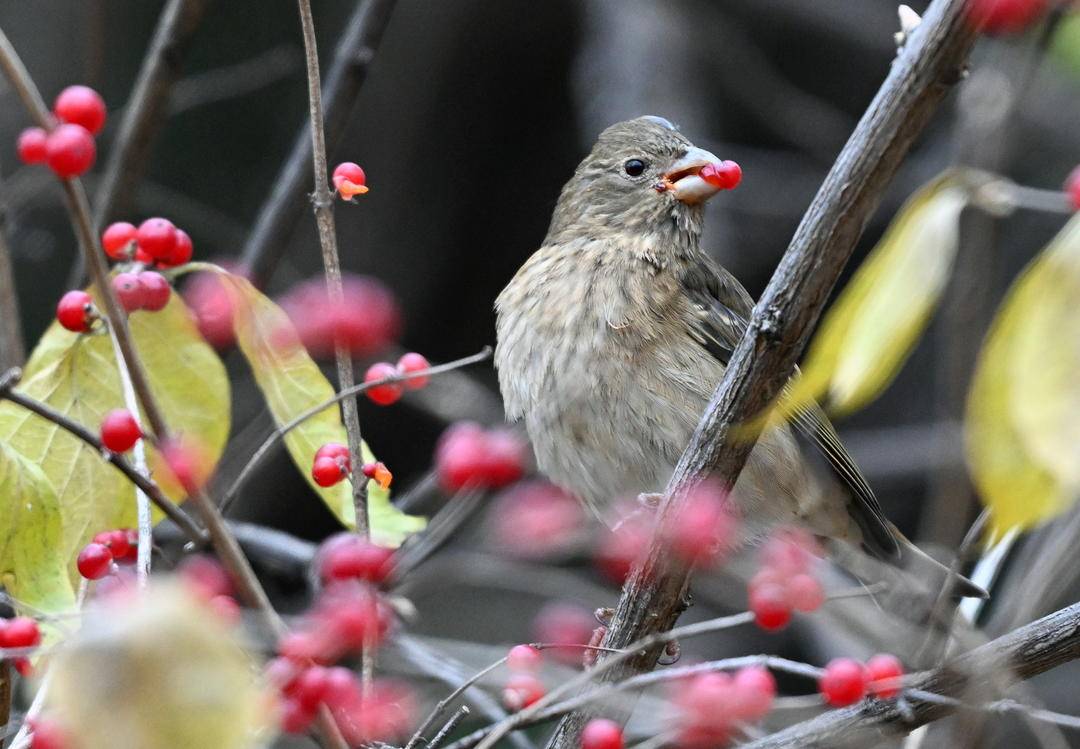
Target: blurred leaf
(157, 669)
(1023, 437)
(77, 375)
(33, 567)
(878, 318)
(1065, 46)
(292, 383)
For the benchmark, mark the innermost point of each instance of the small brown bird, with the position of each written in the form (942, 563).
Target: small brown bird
(613, 335)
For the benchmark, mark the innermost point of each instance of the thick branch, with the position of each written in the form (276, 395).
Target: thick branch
(932, 60)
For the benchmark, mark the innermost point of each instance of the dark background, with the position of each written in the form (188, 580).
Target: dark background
(473, 115)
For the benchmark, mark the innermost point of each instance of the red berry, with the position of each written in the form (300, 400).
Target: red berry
(460, 455)
(327, 471)
(703, 528)
(365, 320)
(523, 658)
(20, 632)
(156, 290)
(1072, 188)
(843, 683)
(346, 556)
(413, 362)
(754, 692)
(121, 543)
(188, 462)
(205, 576)
(723, 175)
(522, 690)
(117, 238)
(884, 672)
(295, 718)
(378, 472)
(504, 462)
(70, 150)
(789, 551)
(31, 145)
(805, 593)
(704, 705)
(120, 431)
(770, 607)
(334, 450)
(536, 518)
(94, 561)
(349, 180)
(1005, 16)
(76, 311)
(386, 394)
(157, 238)
(601, 733)
(129, 292)
(181, 252)
(81, 105)
(47, 734)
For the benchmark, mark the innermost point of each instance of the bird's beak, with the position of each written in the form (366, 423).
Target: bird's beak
(683, 181)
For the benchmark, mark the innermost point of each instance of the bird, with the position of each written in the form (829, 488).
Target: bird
(612, 336)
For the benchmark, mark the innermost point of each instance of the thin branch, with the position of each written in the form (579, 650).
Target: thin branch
(441, 705)
(236, 80)
(930, 62)
(12, 348)
(280, 213)
(10, 378)
(450, 726)
(279, 433)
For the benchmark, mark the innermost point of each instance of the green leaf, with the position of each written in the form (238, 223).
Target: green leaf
(33, 567)
(878, 318)
(292, 383)
(1023, 438)
(77, 375)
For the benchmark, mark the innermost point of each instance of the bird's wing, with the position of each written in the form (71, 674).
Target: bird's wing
(722, 309)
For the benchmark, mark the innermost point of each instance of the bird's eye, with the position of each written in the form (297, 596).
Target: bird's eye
(634, 167)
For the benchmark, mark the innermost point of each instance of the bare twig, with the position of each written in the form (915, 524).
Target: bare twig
(931, 60)
(12, 349)
(450, 725)
(282, 209)
(441, 705)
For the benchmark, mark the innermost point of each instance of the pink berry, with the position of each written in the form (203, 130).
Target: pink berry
(188, 462)
(311, 686)
(75, 311)
(460, 455)
(884, 672)
(129, 292)
(789, 551)
(620, 549)
(119, 431)
(560, 623)
(156, 290)
(182, 250)
(755, 690)
(117, 238)
(20, 632)
(522, 690)
(295, 718)
(705, 717)
(31, 145)
(157, 238)
(770, 607)
(601, 733)
(1072, 188)
(70, 150)
(523, 658)
(805, 592)
(843, 683)
(334, 450)
(724, 175)
(505, 460)
(703, 528)
(327, 471)
(227, 609)
(48, 734)
(386, 394)
(94, 561)
(205, 576)
(349, 180)
(347, 557)
(81, 105)
(1005, 16)
(413, 362)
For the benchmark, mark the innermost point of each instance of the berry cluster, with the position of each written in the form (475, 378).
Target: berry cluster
(723, 175)
(207, 579)
(68, 149)
(349, 180)
(523, 687)
(156, 241)
(534, 518)
(346, 556)
(20, 632)
(845, 681)
(785, 582)
(364, 321)
(469, 455)
(710, 705)
(97, 558)
(391, 392)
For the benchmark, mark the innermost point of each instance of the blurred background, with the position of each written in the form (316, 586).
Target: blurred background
(471, 117)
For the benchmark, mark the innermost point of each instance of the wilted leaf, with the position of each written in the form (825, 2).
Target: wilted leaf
(1023, 436)
(33, 567)
(878, 318)
(77, 375)
(156, 670)
(292, 383)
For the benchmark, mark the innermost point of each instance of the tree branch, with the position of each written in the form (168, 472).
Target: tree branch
(930, 62)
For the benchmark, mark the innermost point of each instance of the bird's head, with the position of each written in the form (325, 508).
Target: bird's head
(641, 177)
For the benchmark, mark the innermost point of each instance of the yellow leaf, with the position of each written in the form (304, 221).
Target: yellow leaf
(292, 383)
(1023, 439)
(877, 320)
(77, 375)
(33, 567)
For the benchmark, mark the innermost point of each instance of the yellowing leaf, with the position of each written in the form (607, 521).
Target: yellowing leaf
(878, 318)
(1023, 437)
(292, 383)
(77, 375)
(33, 567)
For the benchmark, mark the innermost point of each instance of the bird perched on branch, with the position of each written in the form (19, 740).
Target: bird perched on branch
(613, 335)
